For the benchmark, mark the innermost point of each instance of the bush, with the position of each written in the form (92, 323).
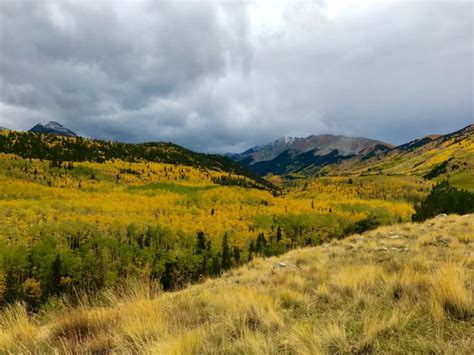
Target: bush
(368, 223)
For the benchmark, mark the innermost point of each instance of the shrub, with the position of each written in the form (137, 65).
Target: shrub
(368, 223)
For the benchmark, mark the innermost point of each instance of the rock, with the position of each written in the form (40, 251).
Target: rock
(442, 215)
(361, 239)
(282, 265)
(325, 245)
(382, 249)
(394, 236)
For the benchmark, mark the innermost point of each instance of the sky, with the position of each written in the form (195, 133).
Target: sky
(222, 76)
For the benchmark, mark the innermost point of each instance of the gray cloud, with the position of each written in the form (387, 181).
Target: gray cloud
(223, 76)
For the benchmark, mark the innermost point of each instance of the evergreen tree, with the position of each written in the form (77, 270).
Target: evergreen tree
(261, 243)
(226, 257)
(166, 279)
(200, 243)
(204, 263)
(53, 285)
(251, 250)
(237, 255)
(216, 266)
(279, 235)
(10, 287)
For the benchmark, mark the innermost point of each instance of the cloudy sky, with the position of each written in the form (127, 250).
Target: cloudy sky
(224, 76)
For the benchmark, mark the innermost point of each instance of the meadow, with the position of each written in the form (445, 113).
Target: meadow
(406, 286)
(91, 225)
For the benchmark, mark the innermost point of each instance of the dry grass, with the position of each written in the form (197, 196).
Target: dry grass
(399, 288)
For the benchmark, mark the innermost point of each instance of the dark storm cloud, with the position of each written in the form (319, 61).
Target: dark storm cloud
(221, 76)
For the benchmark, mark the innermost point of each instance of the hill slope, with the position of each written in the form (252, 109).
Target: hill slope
(86, 226)
(398, 288)
(450, 155)
(76, 149)
(290, 154)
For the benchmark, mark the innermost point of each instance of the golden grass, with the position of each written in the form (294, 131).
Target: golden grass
(453, 290)
(403, 288)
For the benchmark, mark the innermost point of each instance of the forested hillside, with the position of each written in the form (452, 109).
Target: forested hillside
(59, 149)
(81, 225)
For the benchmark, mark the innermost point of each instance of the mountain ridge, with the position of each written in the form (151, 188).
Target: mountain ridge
(288, 154)
(58, 148)
(449, 155)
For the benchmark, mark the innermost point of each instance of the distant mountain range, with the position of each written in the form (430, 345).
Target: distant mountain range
(53, 128)
(340, 155)
(291, 154)
(319, 155)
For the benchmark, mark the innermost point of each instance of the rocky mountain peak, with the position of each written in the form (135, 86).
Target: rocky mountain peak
(53, 127)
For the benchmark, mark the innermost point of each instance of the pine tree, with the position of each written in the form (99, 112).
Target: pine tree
(216, 266)
(279, 235)
(261, 243)
(251, 250)
(237, 255)
(226, 257)
(167, 277)
(201, 243)
(53, 286)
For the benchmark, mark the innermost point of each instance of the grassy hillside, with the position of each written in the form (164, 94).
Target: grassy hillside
(435, 157)
(405, 286)
(90, 225)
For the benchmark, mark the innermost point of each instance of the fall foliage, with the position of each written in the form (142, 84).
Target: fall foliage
(90, 225)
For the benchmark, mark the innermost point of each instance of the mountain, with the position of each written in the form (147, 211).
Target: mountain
(291, 154)
(3, 128)
(432, 157)
(53, 128)
(417, 157)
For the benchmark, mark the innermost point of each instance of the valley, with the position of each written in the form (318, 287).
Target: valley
(236, 177)
(141, 218)
(84, 220)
